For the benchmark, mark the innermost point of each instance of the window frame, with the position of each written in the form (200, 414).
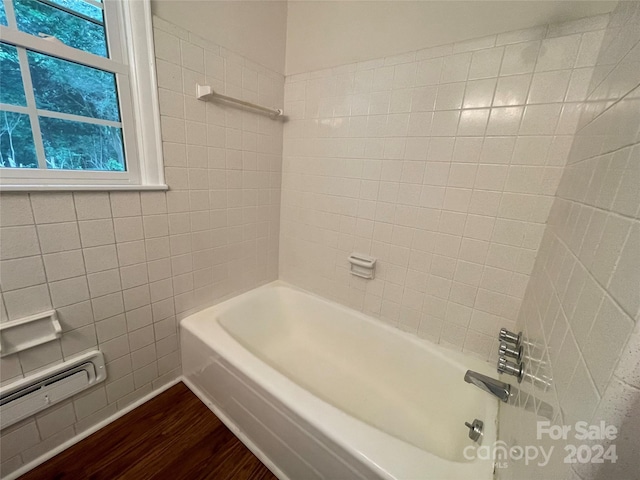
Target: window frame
(132, 61)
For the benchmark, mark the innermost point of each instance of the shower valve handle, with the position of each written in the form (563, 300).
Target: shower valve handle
(514, 352)
(510, 337)
(510, 368)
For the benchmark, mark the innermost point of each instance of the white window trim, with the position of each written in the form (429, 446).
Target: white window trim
(133, 62)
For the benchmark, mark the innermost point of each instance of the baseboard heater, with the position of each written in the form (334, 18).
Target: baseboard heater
(34, 393)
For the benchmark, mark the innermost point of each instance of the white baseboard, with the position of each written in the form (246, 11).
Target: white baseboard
(236, 431)
(81, 436)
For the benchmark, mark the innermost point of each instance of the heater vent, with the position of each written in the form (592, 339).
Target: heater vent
(26, 397)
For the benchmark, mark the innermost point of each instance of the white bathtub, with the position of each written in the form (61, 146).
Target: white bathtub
(317, 390)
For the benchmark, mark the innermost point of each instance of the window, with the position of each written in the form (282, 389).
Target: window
(78, 100)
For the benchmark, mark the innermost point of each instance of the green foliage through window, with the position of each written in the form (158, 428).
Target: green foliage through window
(81, 146)
(16, 141)
(73, 107)
(3, 14)
(67, 87)
(35, 18)
(11, 88)
(81, 7)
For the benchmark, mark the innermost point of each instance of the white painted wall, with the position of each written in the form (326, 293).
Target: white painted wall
(253, 29)
(329, 33)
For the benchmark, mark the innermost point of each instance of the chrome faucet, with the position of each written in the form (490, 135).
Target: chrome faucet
(494, 387)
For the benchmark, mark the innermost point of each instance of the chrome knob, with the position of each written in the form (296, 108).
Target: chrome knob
(506, 351)
(475, 429)
(510, 337)
(510, 368)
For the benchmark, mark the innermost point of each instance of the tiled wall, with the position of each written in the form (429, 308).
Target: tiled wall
(581, 308)
(122, 269)
(442, 164)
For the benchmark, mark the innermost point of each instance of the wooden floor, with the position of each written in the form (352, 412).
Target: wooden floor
(173, 436)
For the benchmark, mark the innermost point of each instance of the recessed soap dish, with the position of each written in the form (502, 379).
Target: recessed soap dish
(362, 265)
(28, 332)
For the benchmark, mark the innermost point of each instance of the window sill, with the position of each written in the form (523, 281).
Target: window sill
(79, 188)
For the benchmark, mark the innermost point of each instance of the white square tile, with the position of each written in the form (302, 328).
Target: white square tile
(100, 258)
(589, 48)
(139, 317)
(134, 275)
(611, 244)
(445, 123)
(21, 273)
(125, 204)
(16, 242)
(68, 292)
(491, 177)
(540, 119)
(75, 316)
(143, 357)
(10, 370)
(60, 266)
(428, 72)
(19, 439)
(512, 90)
(107, 306)
(549, 87)
(131, 253)
(450, 96)
(584, 398)
(473, 122)
(479, 93)
(164, 328)
(157, 248)
(53, 207)
(92, 206)
(15, 209)
(128, 229)
(497, 150)
(115, 348)
(610, 330)
(505, 121)
(625, 278)
(78, 340)
(94, 233)
(141, 338)
(27, 301)
(166, 46)
(119, 368)
(404, 75)
(111, 328)
(104, 283)
(169, 76)
(520, 58)
(59, 237)
(462, 175)
(90, 403)
(40, 356)
(558, 53)
(192, 56)
(119, 388)
(136, 297)
(145, 375)
(171, 105)
(455, 68)
(153, 203)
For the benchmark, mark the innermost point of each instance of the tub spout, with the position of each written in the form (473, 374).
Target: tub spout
(494, 387)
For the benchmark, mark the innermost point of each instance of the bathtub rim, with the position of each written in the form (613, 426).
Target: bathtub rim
(356, 440)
